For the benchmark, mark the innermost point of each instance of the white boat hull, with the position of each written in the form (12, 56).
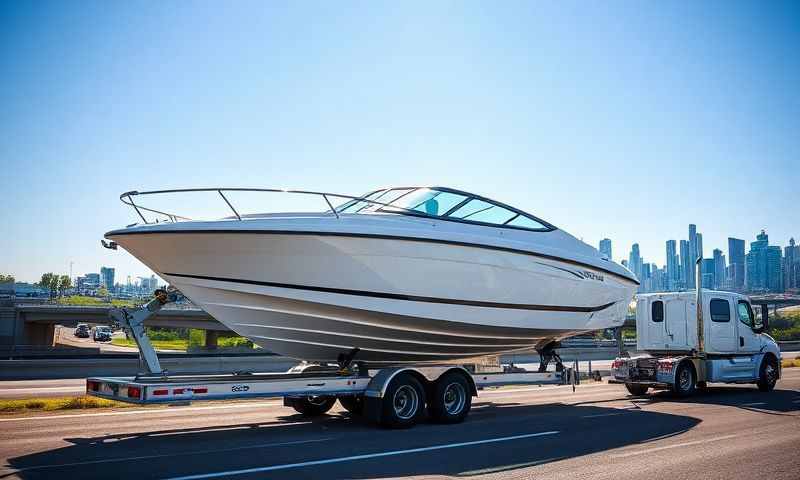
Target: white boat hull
(313, 295)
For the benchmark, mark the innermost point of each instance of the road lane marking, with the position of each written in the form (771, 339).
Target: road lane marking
(177, 454)
(667, 447)
(754, 404)
(361, 457)
(140, 412)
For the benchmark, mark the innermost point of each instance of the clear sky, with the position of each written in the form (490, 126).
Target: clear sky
(626, 120)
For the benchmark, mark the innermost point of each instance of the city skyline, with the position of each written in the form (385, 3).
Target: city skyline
(766, 267)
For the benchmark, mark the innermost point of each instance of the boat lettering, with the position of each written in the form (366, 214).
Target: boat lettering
(240, 388)
(593, 276)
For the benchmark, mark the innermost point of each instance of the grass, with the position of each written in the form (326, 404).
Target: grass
(157, 344)
(83, 301)
(57, 403)
(790, 362)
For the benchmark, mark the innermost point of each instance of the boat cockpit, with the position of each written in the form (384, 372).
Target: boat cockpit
(445, 204)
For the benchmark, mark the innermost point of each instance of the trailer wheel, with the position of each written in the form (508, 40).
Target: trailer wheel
(403, 402)
(685, 381)
(451, 400)
(768, 375)
(313, 406)
(637, 389)
(354, 404)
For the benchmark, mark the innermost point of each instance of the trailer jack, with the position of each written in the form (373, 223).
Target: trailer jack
(133, 322)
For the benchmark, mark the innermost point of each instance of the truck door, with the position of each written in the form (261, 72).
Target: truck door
(676, 324)
(656, 336)
(722, 331)
(749, 341)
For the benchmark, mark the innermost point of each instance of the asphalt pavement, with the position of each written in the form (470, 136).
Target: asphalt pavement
(599, 431)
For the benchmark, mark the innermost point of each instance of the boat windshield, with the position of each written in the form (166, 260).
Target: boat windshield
(445, 204)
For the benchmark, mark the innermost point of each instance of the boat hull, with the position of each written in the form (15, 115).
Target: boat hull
(314, 296)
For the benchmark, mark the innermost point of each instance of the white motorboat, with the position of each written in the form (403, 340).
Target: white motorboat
(422, 274)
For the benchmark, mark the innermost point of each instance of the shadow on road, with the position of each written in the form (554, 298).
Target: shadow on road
(574, 430)
(778, 401)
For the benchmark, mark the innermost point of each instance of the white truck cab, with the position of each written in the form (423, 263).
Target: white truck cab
(733, 347)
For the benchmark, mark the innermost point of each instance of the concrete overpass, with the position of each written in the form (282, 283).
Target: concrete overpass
(35, 324)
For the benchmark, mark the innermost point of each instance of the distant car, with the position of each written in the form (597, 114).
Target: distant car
(82, 331)
(102, 334)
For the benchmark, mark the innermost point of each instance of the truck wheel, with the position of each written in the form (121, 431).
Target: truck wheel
(637, 389)
(684, 380)
(768, 375)
(451, 400)
(403, 403)
(354, 404)
(313, 406)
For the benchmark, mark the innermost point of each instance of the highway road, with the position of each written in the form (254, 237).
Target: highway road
(532, 432)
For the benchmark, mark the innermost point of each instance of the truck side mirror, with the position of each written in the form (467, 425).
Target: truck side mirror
(763, 324)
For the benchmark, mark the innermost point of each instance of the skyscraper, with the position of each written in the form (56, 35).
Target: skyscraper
(605, 248)
(107, 277)
(708, 273)
(737, 264)
(635, 261)
(719, 269)
(764, 262)
(687, 265)
(791, 266)
(671, 281)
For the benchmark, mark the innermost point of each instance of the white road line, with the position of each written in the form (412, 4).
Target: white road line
(360, 457)
(754, 404)
(177, 454)
(32, 390)
(667, 447)
(143, 412)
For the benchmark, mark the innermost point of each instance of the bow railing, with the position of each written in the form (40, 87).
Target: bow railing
(128, 199)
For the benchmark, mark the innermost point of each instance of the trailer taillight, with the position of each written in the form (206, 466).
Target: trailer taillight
(162, 391)
(617, 364)
(134, 392)
(92, 386)
(665, 365)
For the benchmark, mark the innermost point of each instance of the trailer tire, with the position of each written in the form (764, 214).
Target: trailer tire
(313, 406)
(685, 380)
(354, 404)
(637, 389)
(403, 404)
(768, 374)
(451, 398)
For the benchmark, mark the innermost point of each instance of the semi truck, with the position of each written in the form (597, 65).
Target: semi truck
(686, 340)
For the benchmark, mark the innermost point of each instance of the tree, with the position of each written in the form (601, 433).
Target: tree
(102, 291)
(6, 278)
(64, 283)
(50, 282)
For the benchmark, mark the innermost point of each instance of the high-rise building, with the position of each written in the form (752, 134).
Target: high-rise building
(764, 266)
(693, 256)
(605, 248)
(671, 276)
(107, 277)
(635, 261)
(736, 261)
(719, 270)
(708, 273)
(687, 265)
(791, 266)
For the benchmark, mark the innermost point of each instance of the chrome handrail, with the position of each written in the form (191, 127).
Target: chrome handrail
(127, 199)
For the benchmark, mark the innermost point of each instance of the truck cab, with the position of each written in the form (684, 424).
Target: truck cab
(733, 347)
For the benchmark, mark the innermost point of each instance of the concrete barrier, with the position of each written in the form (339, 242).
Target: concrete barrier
(790, 346)
(36, 369)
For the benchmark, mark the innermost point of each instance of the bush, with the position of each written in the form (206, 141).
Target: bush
(166, 334)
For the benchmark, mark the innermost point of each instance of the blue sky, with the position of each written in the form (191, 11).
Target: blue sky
(623, 120)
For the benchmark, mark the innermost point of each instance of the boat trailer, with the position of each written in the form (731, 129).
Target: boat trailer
(393, 396)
